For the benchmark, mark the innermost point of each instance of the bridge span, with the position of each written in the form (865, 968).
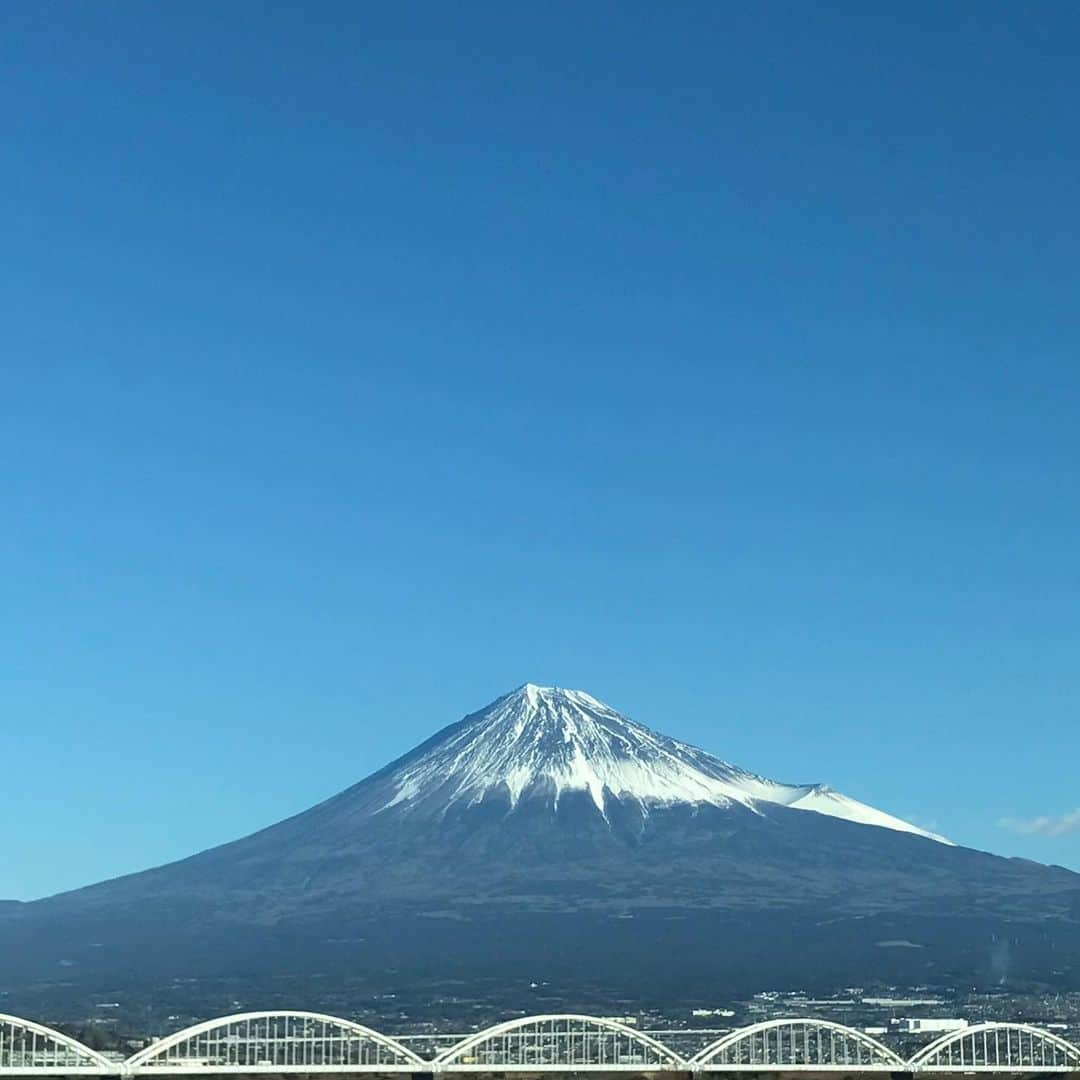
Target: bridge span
(308, 1043)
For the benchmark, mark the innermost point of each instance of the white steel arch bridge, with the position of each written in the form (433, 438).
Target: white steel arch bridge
(291, 1042)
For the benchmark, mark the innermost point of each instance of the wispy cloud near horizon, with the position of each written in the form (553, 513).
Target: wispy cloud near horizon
(1044, 826)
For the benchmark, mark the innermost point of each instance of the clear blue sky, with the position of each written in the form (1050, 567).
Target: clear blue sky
(363, 361)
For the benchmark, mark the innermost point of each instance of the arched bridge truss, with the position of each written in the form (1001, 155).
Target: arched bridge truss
(276, 1042)
(27, 1048)
(797, 1044)
(998, 1047)
(307, 1043)
(565, 1043)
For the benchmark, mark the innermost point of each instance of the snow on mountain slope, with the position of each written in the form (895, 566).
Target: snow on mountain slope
(542, 741)
(824, 800)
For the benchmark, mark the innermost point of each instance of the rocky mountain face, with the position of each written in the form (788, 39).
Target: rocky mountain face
(547, 835)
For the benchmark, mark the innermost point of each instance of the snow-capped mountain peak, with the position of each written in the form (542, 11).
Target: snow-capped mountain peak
(544, 741)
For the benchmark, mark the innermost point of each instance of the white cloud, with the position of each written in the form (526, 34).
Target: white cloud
(1044, 826)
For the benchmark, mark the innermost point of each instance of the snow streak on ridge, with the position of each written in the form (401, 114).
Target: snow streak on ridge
(542, 741)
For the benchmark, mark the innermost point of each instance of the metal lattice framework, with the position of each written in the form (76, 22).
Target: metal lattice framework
(797, 1043)
(276, 1041)
(26, 1047)
(560, 1042)
(997, 1047)
(305, 1042)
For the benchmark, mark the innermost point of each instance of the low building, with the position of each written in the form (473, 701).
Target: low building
(934, 1024)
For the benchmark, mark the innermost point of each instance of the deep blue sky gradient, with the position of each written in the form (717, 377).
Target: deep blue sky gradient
(363, 361)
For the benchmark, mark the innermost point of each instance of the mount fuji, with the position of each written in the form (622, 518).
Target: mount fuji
(549, 836)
